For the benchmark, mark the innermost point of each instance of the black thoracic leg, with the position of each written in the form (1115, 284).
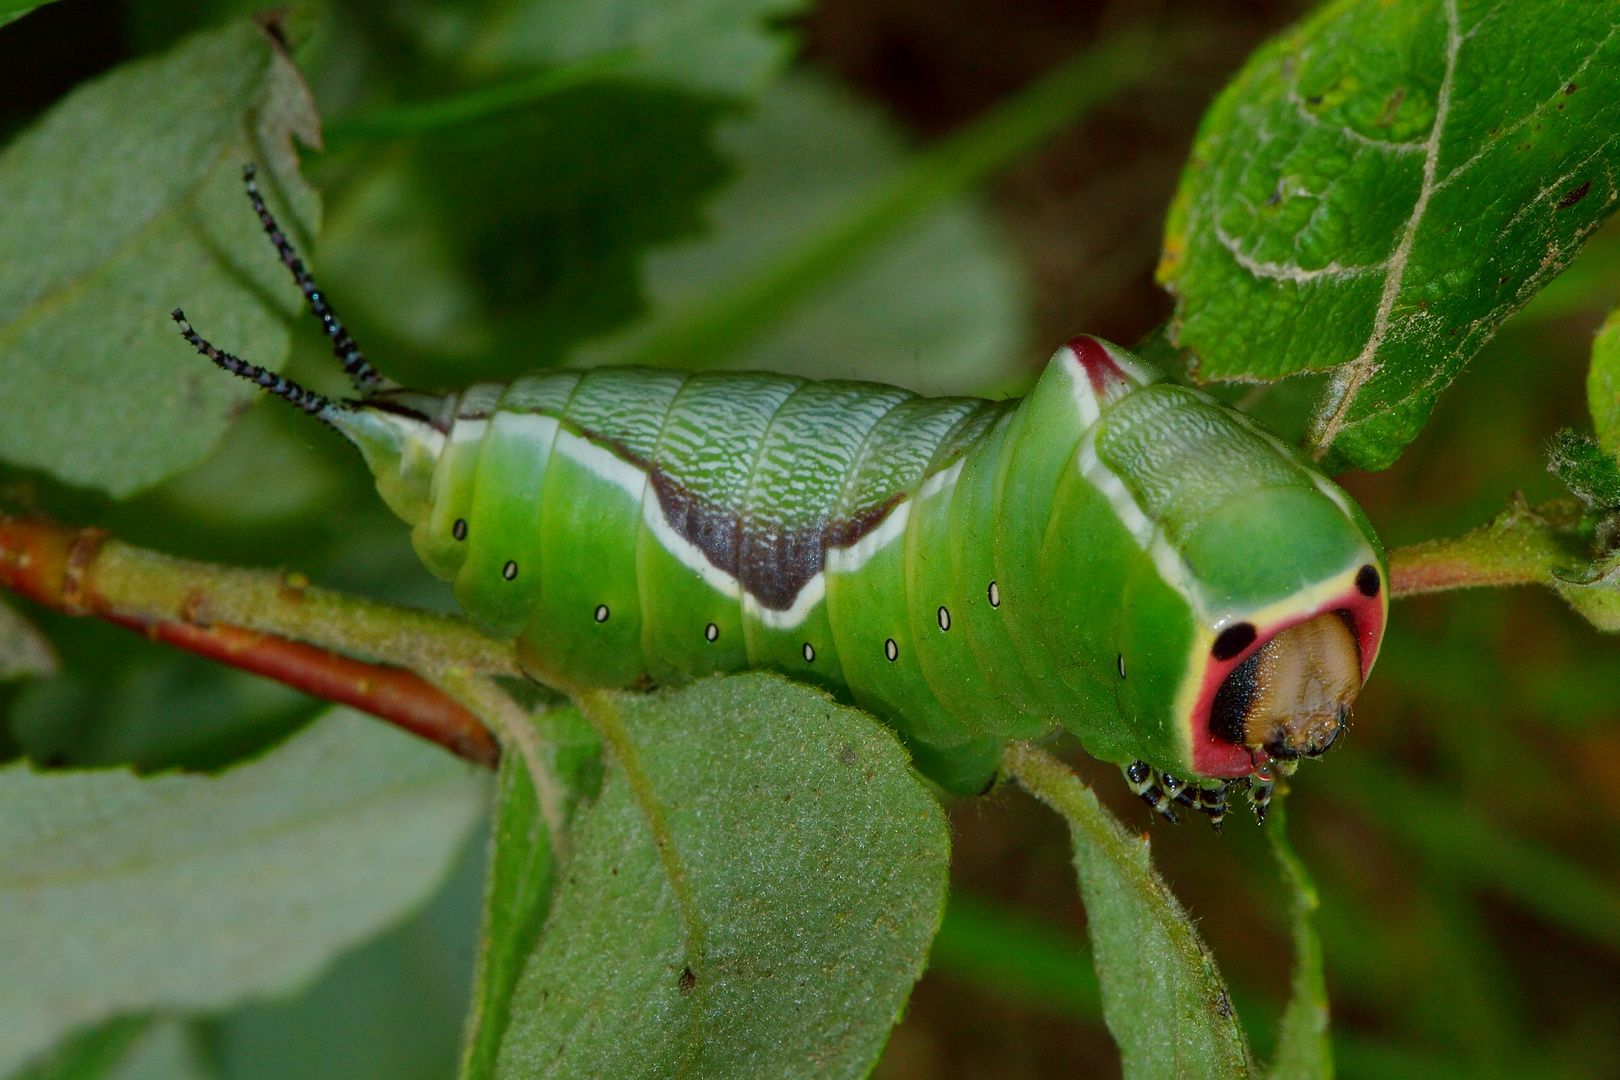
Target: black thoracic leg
(1260, 788)
(1144, 781)
(1179, 790)
(1264, 781)
(1212, 801)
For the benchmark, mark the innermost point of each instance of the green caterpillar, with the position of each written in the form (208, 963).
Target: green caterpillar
(1114, 554)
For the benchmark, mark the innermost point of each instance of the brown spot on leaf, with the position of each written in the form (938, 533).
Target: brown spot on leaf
(1391, 105)
(687, 981)
(1571, 88)
(1574, 195)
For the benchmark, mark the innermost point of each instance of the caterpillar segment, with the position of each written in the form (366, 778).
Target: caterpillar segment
(1112, 554)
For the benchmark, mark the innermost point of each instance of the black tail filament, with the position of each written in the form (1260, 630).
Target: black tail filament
(306, 399)
(365, 378)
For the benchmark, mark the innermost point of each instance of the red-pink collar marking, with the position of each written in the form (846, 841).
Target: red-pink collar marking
(1213, 757)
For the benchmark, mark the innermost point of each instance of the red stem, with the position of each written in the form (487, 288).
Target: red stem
(54, 566)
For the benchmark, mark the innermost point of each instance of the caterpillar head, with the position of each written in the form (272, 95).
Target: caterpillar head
(1291, 697)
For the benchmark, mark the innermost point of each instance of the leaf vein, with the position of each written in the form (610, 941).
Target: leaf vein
(1349, 380)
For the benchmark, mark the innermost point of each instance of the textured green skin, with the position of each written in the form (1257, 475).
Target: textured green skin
(549, 473)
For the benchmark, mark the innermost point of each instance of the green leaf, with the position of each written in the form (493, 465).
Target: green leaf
(390, 1009)
(1603, 383)
(90, 1054)
(942, 307)
(1163, 998)
(12, 10)
(24, 650)
(727, 47)
(477, 104)
(1593, 591)
(490, 249)
(807, 170)
(1380, 188)
(122, 203)
(1586, 468)
(120, 894)
(752, 896)
(128, 1048)
(523, 877)
(1304, 1051)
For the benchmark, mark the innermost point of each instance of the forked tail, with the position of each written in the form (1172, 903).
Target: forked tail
(362, 375)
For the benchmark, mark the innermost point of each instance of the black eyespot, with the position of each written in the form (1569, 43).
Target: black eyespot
(509, 571)
(1367, 582)
(1229, 713)
(1233, 640)
(459, 529)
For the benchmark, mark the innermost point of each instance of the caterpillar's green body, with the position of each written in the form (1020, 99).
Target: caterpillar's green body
(969, 571)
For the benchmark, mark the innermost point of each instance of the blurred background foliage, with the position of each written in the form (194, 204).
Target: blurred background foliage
(1466, 839)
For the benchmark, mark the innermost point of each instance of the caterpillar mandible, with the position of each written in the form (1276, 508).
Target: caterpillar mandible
(1113, 553)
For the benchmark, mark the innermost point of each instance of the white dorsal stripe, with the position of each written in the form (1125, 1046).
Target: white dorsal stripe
(849, 560)
(1113, 489)
(684, 551)
(1080, 388)
(811, 593)
(1148, 536)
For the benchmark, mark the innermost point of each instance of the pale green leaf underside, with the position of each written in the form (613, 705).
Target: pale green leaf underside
(1162, 996)
(23, 649)
(812, 868)
(122, 203)
(120, 894)
(522, 876)
(1381, 187)
(941, 309)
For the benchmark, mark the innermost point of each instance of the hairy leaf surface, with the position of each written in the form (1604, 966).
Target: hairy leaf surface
(753, 895)
(122, 203)
(1383, 185)
(1162, 996)
(182, 891)
(523, 877)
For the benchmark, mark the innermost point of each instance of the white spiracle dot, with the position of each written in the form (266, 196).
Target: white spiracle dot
(995, 595)
(711, 632)
(809, 653)
(602, 613)
(891, 650)
(944, 618)
(1122, 665)
(459, 529)
(509, 571)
